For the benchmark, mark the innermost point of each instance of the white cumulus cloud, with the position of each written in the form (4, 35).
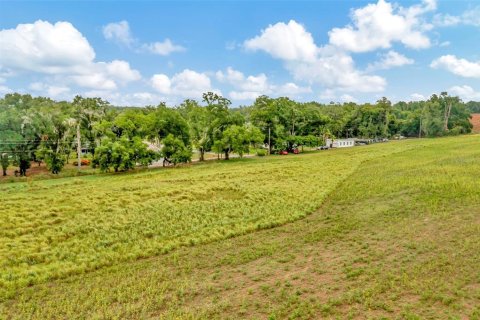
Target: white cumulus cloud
(458, 66)
(186, 84)
(328, 66)
(5, 89)
(466, 93)
(336, 70)
(121, 71)
(347, 98)
(135, 99)
(251, 87)
(163, 48)
(470, 17)
(377, 26)
(417, 97)
(53, 91)
(118, 32)
(291, 89)
(44, 47)
(62, 53)
(390, 60)
(285, 41)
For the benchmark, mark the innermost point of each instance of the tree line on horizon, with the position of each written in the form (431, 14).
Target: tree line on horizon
(39, 129)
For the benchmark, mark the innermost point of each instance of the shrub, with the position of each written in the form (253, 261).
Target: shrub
(261, 152)
(83, 162)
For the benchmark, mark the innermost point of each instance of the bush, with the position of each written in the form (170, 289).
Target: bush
(261, 152)
(83, 162)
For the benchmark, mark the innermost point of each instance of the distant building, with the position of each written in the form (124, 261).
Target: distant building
(340, 143)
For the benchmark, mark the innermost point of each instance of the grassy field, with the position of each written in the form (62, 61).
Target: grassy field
(396, 235)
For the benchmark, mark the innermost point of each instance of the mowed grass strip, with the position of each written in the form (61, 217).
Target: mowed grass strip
(399, 239)
(57, 228)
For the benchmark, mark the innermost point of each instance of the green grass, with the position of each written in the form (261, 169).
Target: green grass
(397, 235)
(56, 228)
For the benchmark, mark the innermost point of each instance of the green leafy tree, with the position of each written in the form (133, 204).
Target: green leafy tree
(174, 150)
(199, 124)
(219, 119)
(57, 129)
(18, 135)
(238, 139)
(122, 154)
(88, 112)
(165, 121)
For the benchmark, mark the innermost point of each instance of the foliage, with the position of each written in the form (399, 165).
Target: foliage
(473, 106)
(88, 112)
(175, 151)
(261, 152)
(57, 127)
(199, 123)
(55, 160)
(122, 154)
(220, 118)
(238, 139)
(40, 129)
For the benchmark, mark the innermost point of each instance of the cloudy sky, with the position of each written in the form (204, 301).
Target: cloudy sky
(144, 52)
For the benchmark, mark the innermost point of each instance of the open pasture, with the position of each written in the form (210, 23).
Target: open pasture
(396, 235)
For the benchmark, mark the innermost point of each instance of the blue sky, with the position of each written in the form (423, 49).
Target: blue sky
(144, 52)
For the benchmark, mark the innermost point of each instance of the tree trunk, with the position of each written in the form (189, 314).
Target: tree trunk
(79, 148)
(269, 142)
(420, 128)
(448, 110)
(227, 154)
(4, 171)
(202, 154)
(23, 168)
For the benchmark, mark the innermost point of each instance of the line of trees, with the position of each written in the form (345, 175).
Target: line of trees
(38, 129)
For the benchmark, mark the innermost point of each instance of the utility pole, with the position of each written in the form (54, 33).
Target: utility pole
(79, 148)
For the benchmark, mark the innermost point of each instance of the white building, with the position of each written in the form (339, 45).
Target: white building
(340, 143)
